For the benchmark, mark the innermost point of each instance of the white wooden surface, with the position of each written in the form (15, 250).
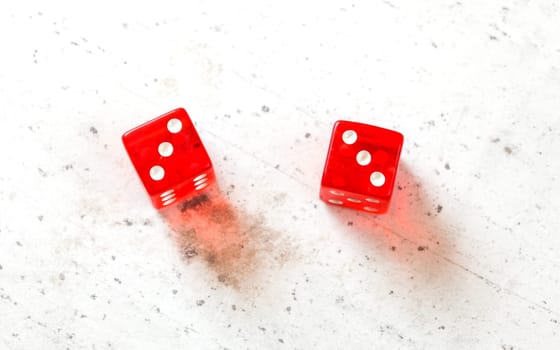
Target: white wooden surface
(467, 258)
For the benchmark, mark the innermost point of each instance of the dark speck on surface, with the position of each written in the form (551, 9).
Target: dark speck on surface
(68, 167)
(19, 243)
(393, 248)
(190, 252)
(61, 276)
(307, 135)
(200, 302)
(1, 268)
(350, 223)
(265, 109)
(281, 340)
(447, 167)
(193, 203)
(117, 280)
(422, 248)
(174, 291)
(128, 222)
(496, 140)
(492, 37)
(439, 208)
(40, 217)
(211, 258)
(508, 150)
(93, 130)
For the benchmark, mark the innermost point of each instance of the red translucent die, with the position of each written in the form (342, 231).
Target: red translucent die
(361, 166)
(169, 158)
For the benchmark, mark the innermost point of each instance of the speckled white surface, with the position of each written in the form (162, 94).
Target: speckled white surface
(467, 258)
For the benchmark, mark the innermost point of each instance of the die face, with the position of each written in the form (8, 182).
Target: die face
(183, 190)
(355, 201)
(169, 157)
(361, 166)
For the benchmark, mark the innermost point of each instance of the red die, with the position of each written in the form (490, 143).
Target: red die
(361, 166)
(169, 157)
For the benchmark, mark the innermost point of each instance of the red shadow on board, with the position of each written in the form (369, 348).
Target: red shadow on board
(233, 244)
(414, 224)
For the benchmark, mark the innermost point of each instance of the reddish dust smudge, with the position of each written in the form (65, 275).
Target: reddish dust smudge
(232, 243)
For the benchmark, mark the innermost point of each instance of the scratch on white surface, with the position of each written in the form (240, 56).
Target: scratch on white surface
(140, 96)
(500, 289)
